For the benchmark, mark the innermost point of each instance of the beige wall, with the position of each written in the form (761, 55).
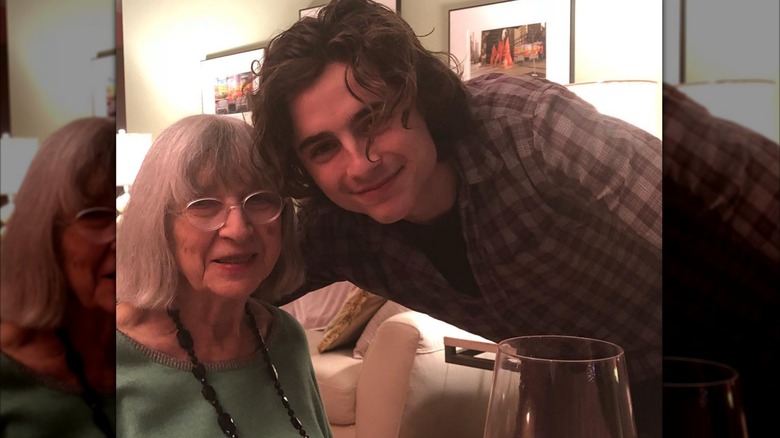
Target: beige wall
(165, 40)
(741, 40)
(727, 40)
(51, 44)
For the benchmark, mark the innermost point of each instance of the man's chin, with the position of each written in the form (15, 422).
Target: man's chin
(384, 216)
(387, 211)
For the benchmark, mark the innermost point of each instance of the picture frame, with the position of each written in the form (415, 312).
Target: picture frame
(395, 5)
(222, 83)
(310, 12)
(517, 37)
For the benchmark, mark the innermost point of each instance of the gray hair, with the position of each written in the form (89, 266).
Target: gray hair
(189, 159)
(73, 166)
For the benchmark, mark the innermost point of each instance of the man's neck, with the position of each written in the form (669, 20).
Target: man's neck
(438, 197)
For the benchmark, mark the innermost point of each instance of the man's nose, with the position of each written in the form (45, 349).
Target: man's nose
(360, 163)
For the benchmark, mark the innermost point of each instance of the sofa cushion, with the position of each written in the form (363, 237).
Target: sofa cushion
(347, 325)
(337, 375)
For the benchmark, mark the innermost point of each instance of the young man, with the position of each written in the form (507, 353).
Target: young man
(505, 205)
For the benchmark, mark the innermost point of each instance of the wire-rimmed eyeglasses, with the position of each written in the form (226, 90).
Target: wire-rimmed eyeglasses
(209, 214)
(96, 224)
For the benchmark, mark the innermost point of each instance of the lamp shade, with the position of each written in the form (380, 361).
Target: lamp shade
(752, 103)
(16, 156)
(130, 152)
(638, 102)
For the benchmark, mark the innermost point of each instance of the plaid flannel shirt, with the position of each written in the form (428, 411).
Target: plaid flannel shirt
(560, 207)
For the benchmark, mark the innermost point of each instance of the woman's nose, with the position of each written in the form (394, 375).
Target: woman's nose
(237, 225)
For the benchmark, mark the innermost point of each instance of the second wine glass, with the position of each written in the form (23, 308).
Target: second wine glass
(702, 398)
(553, 386)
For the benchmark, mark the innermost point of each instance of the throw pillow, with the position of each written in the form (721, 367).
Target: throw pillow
(317, 308)
(387, 310)
(350, 320)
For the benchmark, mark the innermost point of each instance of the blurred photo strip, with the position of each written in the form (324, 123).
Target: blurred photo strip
(58, 112)
(721, 229)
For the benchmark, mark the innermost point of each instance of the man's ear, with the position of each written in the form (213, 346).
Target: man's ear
(405, 117)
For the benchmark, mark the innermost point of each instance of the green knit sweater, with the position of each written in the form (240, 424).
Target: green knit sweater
(36, 406)
(158, 396)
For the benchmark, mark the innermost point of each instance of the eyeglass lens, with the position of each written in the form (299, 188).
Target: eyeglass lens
(210, 214)
(98, 224)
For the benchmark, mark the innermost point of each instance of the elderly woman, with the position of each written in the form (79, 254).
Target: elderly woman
(57, 300)
(205, 242)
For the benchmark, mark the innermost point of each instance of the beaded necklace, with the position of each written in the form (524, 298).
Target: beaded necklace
(226, 423)
(89, 395)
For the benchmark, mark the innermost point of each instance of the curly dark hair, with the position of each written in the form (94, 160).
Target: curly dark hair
(385, 57)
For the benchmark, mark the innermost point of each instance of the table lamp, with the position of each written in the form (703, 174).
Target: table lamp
(131, 148)
(16, 154)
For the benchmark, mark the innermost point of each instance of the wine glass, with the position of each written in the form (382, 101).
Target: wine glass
(702, 398)
(550, 386)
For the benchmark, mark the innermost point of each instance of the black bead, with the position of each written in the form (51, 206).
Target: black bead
(285, 402)
(199, 371)
(185, 339)
(227, 424)
(209, 393)
(296, 423)
(101, 421)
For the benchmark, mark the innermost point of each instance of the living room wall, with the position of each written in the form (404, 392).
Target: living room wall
(51, 45)
(165, 40)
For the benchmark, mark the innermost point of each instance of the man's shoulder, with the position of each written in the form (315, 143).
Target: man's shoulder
(496, 94)
(503, 84)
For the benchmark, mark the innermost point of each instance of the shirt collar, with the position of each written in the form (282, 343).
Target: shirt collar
(473, 160)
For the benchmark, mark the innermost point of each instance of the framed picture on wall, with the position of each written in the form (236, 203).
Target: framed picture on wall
(518, 37)
(226, 81)
(312, 12)
(309, 12)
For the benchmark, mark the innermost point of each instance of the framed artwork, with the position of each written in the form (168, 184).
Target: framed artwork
(226, 81)
(312, 12)
(518, 37)
(309, 12)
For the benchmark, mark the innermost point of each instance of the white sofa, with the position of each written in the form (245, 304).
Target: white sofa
(402, 388)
